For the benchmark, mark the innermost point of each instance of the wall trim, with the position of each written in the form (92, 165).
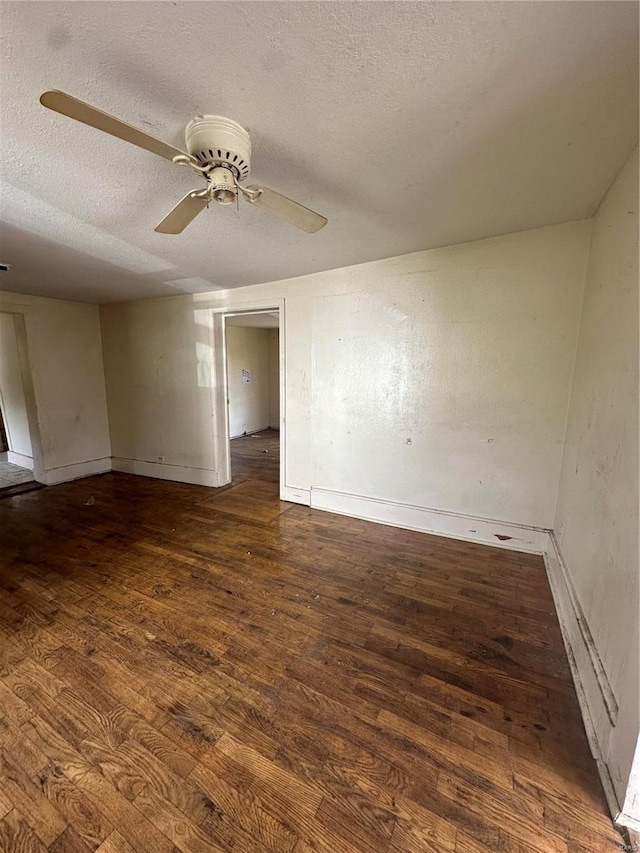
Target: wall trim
(64, 473)
(569, 601)
(453, 525)
(295, 495)
(20, 459)
(596, 699)
(632, 824)
(629, 817)
(164, 471)
(251, 431)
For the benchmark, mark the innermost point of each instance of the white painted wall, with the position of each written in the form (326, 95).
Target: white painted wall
(438, 380)
(274, 378)
(247, 349)
(63, 348)
(597, 519)
(12, 397)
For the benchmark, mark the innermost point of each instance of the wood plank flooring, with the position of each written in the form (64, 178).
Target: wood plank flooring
(177, 675)
(13, 475)
(256, 457)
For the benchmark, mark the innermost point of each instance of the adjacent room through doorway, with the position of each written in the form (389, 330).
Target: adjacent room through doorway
(253, 394)
(16, 455)
(10, 475)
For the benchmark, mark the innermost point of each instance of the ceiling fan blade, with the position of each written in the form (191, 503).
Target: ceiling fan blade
(287, 209)
(67, 105)
(182, 214)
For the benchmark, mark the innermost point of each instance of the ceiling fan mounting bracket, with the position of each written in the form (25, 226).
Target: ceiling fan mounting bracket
(214, 141)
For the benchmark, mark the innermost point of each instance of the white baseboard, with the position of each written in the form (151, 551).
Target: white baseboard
(632, 824)
(163, 471)
(64, 473)
(251, 431)
(20, 459)
(500, 534)
(295, 495)
(629, 816)
(595, 696)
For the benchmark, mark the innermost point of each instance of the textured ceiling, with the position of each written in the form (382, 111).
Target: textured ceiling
(410, 125)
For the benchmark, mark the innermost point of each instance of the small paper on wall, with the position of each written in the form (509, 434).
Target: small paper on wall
(246, 377)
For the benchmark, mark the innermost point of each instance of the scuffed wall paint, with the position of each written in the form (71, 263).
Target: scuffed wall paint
(597, 518)
(65, 359)
(439, 379)
(247, 350)
(160, 408)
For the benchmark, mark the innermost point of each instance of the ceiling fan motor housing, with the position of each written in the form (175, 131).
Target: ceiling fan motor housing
(216, 140)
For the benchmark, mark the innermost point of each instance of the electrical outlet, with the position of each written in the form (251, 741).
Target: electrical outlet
(160, 458)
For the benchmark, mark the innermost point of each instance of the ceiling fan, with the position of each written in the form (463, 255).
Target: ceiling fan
(217, 147)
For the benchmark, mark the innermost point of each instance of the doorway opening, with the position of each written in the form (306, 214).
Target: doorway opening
(16, 446)
(252, 357)
(10, 474)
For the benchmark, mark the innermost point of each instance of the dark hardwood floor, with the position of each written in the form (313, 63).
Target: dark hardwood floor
(256, 457)
(188, 670)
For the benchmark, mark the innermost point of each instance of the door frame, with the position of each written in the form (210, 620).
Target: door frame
(26, 372)
(222, 440)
